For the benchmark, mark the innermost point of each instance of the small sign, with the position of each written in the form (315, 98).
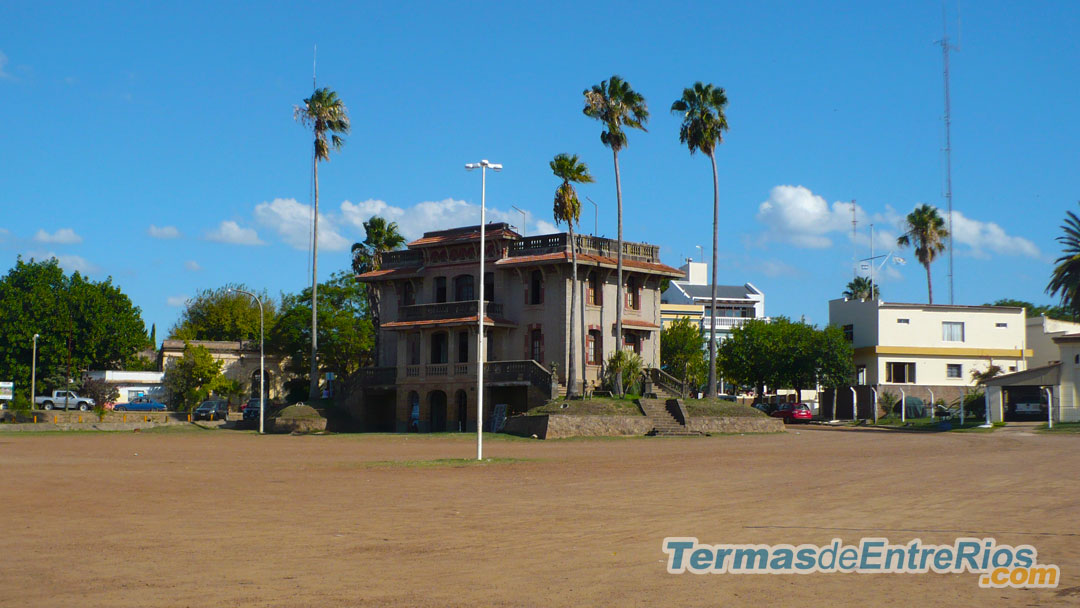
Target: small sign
(498, 418)
(7, 391)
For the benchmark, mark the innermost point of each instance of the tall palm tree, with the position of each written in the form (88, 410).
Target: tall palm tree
(924, 229)
(568, 209)
(326, 115)
(703, 126)
(615, 105)
(859, 289)
(1065, 279)
(380, 236)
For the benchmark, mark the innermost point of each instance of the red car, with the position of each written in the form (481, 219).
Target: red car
(793, 412)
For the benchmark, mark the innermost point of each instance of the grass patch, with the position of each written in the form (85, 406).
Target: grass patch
(717, 408)
(454, 463)
(594, 406)
(1060, 427)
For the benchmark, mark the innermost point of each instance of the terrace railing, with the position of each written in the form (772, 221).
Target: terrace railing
(446, 310)
(556, 243)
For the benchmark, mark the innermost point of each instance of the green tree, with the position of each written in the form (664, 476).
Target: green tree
(345, 330)
(749, 356)
(682, 352)
(1065, 279)
(703, 124)
(860, 288)
(924, 229)
(615, 105)
(836, 358)
(82, 325)
(380, 237)
(327, 117)
(567, 208)
(223, 314)
(100, 391)
(194, 378)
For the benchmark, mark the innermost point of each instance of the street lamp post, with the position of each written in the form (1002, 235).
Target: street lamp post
(483, 165)
(33, 371)
(262, 360)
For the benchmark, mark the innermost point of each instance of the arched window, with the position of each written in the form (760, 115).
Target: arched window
(536, 287)
(536, 346)
(633, 294)
(595, 293)
(408, 296)
(439, 294)
(462, 409)
(438, 347)
(463, 288)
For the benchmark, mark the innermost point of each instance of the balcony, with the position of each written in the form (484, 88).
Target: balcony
(403, 259)
(377, 376)
(447, 310)
(557, 243)
(727, 323)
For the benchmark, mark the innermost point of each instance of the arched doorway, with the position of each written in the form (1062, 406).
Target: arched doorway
(462, 410)
(437, 403)
(414, 411)
(255, 384)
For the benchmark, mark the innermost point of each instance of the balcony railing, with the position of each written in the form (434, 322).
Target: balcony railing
(446, 310)
(728, 322)
(402, 258)
(495, 372)
(556, 243)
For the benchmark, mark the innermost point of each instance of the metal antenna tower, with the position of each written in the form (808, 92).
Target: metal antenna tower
(945, 48)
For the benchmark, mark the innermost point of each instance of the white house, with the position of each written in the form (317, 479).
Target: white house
(1032, 391)
(926, 349)
(133, 384)
(1041, 332)
(692, 296)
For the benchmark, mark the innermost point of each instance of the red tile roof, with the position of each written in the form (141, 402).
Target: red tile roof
(442, 239)
(389, 273)
(589, 259)
(634, 323)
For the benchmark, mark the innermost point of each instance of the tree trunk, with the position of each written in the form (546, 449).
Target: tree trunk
(619, 303)
(929, 286)
(715, 243)
(571, 367)
(313, 393)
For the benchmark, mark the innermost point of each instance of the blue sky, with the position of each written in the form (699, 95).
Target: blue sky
(156, 144)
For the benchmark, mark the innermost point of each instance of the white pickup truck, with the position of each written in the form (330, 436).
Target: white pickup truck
(64, 400)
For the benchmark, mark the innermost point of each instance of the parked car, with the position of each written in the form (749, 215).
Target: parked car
(253, 403)
(65, 400)
(793, 412)
(141, 404)
(252, 413)
(765, 407)
(212, 410)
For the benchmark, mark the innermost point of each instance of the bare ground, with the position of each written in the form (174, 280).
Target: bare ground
(218, 518)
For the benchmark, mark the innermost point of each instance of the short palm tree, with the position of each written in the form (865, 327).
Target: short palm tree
(703, 126)
(860, 288)
(924, 229)
(326, 115)
(381, 236)
(568, 209)
(1065, 280)
(615, 105)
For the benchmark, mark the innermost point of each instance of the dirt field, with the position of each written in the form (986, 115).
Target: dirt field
(220, 518)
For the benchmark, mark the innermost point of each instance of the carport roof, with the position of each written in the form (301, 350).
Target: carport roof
(1047, 375)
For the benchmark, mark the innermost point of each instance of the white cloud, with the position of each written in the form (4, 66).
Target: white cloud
(176, 300)
(543, 227)
(291, 220)
(63, 236)
(423, 217)
(70, 263)
(231, 232)
(192, 265)
(164, 232)
(988, 236)
(796, 215)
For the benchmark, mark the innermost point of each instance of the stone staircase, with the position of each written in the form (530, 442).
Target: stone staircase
(664, 424)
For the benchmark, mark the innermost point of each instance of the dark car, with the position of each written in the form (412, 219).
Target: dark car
(212, 410)
(141, 404)
(793, 412)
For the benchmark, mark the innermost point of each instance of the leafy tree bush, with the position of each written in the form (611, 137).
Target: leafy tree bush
(100, 391)
(682, 352)
(627, 365)
(193, 378)
(221, 314)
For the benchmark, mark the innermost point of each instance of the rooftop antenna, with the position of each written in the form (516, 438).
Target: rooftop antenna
(945, 48)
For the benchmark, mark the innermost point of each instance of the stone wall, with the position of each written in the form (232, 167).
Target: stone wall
(749, 424)
(558, 426)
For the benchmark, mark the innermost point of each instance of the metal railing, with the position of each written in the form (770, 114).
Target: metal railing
(729, 322)
(377, 375)
(446, 310)
(666, 381)
(402, 258)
